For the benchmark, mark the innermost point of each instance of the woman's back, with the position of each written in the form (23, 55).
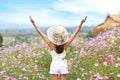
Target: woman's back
(55, 55)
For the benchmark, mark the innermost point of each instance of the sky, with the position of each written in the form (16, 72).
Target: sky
(15, 13)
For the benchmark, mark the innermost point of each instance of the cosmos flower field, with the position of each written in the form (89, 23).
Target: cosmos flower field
(96, 58)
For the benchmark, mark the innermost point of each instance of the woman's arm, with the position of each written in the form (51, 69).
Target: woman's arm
(75, 33)
(45, 38)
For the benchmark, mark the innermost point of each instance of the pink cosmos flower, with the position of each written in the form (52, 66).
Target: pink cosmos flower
(97, 76)
(105, 77)
(111, 58)
(7, 78)
(2, 73)
(113, 49)
(118, 75)
(12, 77)
(105, 63)
(90, 78)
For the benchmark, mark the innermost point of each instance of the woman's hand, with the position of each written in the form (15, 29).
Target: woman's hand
(31, 20)
(84, 19)
(75, 33)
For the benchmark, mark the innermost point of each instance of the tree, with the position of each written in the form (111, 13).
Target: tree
(1, 40)
(91, 34)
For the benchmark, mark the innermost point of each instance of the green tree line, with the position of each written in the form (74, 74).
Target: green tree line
(1, 40)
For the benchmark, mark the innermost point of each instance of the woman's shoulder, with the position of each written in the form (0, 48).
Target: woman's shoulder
(53, 51)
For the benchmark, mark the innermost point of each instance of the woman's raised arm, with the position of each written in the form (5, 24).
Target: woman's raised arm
(45, 38)
(75, 33)
(37, 29)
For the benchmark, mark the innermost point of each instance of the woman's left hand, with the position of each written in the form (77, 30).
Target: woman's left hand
(84, 19)
(31, 19)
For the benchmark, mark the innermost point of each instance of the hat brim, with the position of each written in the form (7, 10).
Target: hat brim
(57, 29)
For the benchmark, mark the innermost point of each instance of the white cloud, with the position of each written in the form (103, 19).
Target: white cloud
(70, 6)
(78, 6)
(21, 15)
(96, 10)
(111, 6)
(42, 16)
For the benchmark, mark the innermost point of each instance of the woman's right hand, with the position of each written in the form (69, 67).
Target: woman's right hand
(31, 20)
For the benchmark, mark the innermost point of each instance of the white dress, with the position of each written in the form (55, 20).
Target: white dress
(58, 64)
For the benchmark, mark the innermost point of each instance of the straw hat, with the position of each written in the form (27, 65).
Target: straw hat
(57, 35)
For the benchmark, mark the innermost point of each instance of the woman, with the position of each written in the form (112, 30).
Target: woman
(58, 40)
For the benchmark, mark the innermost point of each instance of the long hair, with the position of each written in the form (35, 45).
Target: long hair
(59, 48)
